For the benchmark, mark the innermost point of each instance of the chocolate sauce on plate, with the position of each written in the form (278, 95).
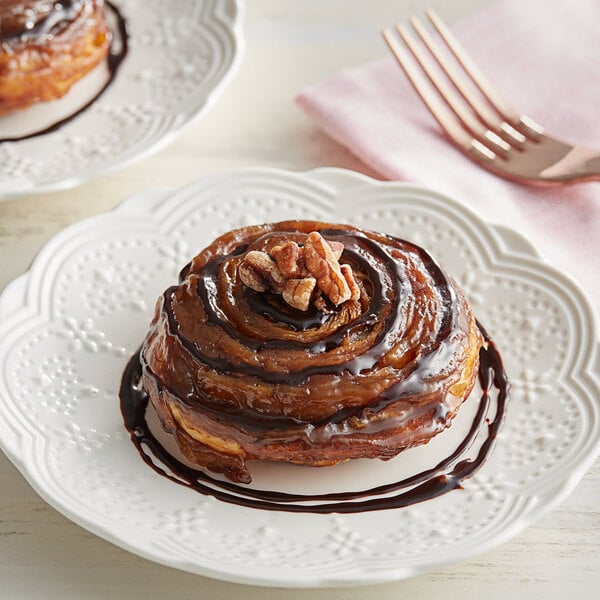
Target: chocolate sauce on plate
(449, 474)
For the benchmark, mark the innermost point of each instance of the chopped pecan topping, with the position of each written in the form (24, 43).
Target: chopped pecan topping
(259, 272)
(302, 273)
(290, 260)
(351, 281)
(337, 248)
(298, 292)
(325, 268)
(321, 303)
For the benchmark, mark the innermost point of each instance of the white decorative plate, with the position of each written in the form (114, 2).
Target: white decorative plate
(181, 55)
(68, 326)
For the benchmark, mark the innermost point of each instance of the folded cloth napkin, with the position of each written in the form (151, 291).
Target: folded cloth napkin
(546, 61)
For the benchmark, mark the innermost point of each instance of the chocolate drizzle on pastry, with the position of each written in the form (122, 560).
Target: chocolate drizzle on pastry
(39, 20)
(235, 374)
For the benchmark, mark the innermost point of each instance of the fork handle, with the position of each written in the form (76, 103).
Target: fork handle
(579, 164)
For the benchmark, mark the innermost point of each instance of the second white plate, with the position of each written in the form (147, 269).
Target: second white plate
(181, 55)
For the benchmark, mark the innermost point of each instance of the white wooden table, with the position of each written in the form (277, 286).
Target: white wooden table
(289, 44)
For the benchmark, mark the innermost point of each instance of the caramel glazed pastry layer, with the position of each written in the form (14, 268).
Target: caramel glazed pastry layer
(46, 46)
(308, 343)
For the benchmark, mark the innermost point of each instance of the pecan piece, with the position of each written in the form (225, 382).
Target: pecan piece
(321, 303)
(337, 248)
(351, 281)
(259, 272)
(290, 259)
(323, 265)
(298, 292)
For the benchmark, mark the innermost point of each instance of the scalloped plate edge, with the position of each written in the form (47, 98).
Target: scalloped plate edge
(11, 305)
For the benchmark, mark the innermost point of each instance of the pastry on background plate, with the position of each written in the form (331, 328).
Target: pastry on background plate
(46, 46)
(308, 343)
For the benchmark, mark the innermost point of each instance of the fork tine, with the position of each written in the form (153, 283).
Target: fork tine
(526, 125)
(486, 137)
(438, 109)
(485, 114)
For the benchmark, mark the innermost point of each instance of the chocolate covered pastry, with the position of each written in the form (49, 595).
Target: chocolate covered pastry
(308, 343)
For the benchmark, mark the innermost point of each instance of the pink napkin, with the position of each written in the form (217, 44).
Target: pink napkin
(545, 59)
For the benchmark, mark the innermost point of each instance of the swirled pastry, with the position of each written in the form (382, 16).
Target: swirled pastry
(308, 343)
(46, 46)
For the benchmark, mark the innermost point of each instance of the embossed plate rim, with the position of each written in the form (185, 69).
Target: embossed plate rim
(20, 301)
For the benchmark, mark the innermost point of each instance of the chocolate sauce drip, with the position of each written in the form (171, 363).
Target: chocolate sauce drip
(275, 309)
(243, 420)
(114, 60)
(449, 474)
(207, 291)
(388, 281)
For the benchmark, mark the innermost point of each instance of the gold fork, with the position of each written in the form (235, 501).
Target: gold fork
(491, 133)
